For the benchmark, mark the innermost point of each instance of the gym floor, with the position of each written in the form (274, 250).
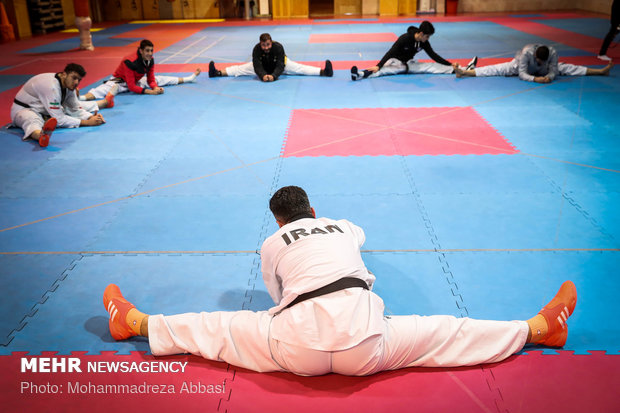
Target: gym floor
(478, 196)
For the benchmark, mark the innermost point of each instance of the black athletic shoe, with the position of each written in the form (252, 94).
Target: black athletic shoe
(329, 70)
(354, 73)
(213, 72)
(472, 63)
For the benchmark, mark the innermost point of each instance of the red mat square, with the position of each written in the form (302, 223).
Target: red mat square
(353, 38)
(392, 131)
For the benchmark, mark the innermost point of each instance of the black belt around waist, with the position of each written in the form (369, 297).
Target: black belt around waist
(21, 103)
(341, 284)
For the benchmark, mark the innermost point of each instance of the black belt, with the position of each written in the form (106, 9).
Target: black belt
(341, 284)
(21, 103)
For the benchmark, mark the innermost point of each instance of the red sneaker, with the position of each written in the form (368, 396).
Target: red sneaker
(557, 312)
(110, 99)
(118, 307)
(46, 133)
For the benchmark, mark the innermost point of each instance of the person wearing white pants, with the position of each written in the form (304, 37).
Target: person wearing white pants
(326, 318)
(400, 58)
(136, 73)
(534, 63)
(269, 61)
(48, 100)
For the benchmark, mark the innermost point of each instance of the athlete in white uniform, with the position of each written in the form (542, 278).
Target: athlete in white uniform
(269, 61)
(326, 317)
(534, 63)
(50, 96)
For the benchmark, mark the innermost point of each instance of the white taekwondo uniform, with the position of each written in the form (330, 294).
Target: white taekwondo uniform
(343, 332)
(526, 67)
(43, 94)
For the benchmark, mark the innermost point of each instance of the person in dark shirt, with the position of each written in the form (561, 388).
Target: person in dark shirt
(400, 58)
(614, 29)
(269, 61)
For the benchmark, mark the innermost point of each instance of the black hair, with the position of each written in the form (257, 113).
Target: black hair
(427, 27)
(264, 37)
(289, 201)
(542, 52)
(75, 68)
(145, 43)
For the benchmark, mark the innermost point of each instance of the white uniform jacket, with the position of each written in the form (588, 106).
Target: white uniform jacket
(43, 93)
(308, 254)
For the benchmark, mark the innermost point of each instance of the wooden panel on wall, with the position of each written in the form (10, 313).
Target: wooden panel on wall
(68, 13)
(287, 9)
(111, 10)
(20, 18)
(150, 9)
(370, 7)
(342, 7)
(131, 10)
(511, 5)
(407, 7)
(388, 7)
(178, 9)
(300, 9)
(207, 9)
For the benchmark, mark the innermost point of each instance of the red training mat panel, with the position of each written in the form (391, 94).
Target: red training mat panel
(392, 131)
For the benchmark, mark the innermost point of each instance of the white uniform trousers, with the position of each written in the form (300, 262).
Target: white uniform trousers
(512, 69)
(100, 91)
(394, 66)
(290, 68)
(27, 119)
(89, 106)
(243, 339)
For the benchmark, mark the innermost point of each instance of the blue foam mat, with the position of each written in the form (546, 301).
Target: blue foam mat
(83, 178)
(347, 175)
(156, 284)
(40, 273)
(186, 223)
(70, 232)
(389, 221)
(527, 200)
(411, 283)
(512, 221)
(487, 279)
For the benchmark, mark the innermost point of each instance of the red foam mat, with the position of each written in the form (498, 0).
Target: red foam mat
(392, 131)
(576, 40)
(563, 383)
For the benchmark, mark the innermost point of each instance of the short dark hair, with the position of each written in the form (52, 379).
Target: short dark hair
(289, 201)
(542, 52)
(427, 27)
(145, 43)
(264, 37)
(75, 68)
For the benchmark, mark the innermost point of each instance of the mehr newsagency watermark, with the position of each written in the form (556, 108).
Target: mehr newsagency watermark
(75, 365)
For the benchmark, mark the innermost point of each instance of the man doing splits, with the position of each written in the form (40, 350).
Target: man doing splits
(326, 318)
(400, 58)
(269, 61)
(534, 63)
(48, 100)
(136, 73)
